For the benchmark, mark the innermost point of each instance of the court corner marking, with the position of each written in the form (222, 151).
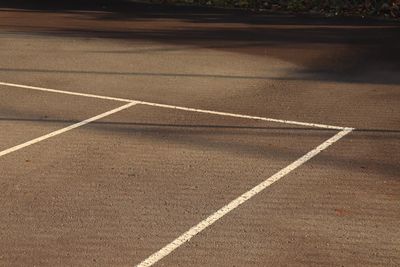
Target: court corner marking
(185, 237)
(65, 129)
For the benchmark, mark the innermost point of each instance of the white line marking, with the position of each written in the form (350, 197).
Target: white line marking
(185, 237)
(63, 130)
(64, 92)
(244, 116)
(317, 125)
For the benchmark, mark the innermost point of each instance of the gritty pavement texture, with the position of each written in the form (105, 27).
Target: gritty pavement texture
(114, 191)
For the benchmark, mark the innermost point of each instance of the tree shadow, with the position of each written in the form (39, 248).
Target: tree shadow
(332, 49)
(205, 137)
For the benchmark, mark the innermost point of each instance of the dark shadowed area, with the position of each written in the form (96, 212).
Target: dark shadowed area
(337, 49)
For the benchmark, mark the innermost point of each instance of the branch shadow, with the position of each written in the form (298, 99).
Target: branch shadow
(201, 136)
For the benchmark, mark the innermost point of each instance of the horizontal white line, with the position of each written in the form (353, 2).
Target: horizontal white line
(185, 237)
(64, 92)
(317, 125)
(63, 130)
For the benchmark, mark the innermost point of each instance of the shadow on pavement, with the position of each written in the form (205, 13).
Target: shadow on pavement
(333, 49)
(198, 135)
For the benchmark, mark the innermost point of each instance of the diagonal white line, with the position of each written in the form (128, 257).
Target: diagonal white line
(185, 237)
(66, 129)
(317, 125)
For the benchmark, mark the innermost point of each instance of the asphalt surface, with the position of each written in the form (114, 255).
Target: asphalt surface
(112, 192)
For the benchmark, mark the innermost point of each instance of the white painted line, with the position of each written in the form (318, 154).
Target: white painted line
(185, 237)
(66, 129)
(317, 125)
(64, 92)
